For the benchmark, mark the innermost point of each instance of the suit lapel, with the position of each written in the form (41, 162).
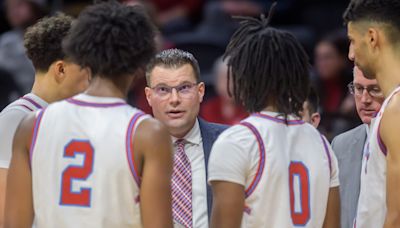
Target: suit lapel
(208, 138)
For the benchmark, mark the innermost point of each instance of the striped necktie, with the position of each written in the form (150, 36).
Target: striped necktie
(182, 186)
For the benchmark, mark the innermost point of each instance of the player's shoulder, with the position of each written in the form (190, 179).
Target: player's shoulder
(18, 106)
(237, 134)
(393, 105)
(150, 130)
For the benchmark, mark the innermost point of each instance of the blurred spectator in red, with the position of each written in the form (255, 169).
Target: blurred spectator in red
(222, 108)
(333, 69)
(334, 72)
(20, 14)
(175, 16)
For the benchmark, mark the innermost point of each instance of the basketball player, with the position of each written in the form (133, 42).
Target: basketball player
(272, 170)
(310, 112)
(56, 78)
(93, 160)
(374, 30)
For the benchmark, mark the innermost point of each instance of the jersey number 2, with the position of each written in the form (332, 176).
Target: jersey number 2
(77, 172)
(299, 170)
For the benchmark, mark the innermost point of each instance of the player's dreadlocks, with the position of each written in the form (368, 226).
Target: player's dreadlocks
(268, 67)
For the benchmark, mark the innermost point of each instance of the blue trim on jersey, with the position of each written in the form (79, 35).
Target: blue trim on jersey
(278, 120)
(34, 135)
(32, 102)
(79, 179)
(327, 153)
(382, 145)
(95, 105)
(261, 163)
(129, 146)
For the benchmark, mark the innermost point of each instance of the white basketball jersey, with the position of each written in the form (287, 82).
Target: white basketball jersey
(292, 168)
(82, 164)
(371, 210)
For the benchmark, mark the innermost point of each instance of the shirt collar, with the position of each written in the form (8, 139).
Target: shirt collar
(193, 136)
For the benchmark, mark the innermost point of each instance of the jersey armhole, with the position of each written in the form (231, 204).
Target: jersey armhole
(261, 162)
(35, 131)
(381, 144)
(327, 153)
(133, 123)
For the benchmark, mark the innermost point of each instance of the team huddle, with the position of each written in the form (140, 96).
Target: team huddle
(80, 156)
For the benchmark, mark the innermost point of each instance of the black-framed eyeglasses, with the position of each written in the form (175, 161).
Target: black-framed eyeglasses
(184, 90)
(358, 90)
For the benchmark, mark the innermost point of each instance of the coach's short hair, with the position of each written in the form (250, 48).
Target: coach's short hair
(111, 39)
(43, 40)
(173, 58)
(381, 11)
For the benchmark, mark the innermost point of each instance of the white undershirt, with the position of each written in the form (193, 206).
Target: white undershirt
(195, 153)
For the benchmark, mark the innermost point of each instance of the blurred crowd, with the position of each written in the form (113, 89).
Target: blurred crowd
(203, 27)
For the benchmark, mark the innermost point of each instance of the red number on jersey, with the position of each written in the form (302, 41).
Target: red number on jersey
(300, 170)
(79, 173)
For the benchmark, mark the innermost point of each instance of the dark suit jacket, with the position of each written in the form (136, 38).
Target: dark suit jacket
(209, 133)
(348, 148)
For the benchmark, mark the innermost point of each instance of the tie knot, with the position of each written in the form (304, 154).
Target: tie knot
(180, 142)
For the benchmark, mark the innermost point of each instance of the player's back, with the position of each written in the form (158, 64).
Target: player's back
(82, 164)
(289, 172)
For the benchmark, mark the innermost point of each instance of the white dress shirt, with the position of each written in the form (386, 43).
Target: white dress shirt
(195, 153)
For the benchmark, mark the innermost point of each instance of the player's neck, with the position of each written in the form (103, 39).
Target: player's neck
(104, 87)
(388, 75)
(270, 108)
(43, 88)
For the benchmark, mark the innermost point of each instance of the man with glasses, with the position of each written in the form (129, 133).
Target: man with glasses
(174, 93)
(349, 146)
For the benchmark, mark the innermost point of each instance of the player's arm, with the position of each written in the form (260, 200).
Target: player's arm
(8, 124)
(228, 202)
(154, 146)
(3, 185)
(228, 168)
(332, 216)
(389, 131)
(19, 201)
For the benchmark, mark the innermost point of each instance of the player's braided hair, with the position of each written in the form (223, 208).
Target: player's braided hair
(111, 39)
(268, 67)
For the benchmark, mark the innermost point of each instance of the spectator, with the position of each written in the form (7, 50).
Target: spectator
(222, 108)
(20, 14)
(333, 71)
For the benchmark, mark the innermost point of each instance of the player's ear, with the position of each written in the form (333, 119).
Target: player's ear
(373, 37)
(59, 71)
(315, 119)
(148, 91)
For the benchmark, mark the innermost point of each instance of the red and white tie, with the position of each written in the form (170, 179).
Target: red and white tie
(182, 186)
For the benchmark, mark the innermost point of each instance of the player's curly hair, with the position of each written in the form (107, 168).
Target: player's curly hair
(382, 11)
(111, 39)
(43, 40)
(268, 67)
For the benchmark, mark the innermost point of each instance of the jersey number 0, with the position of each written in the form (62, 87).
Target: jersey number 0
(298, 169)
